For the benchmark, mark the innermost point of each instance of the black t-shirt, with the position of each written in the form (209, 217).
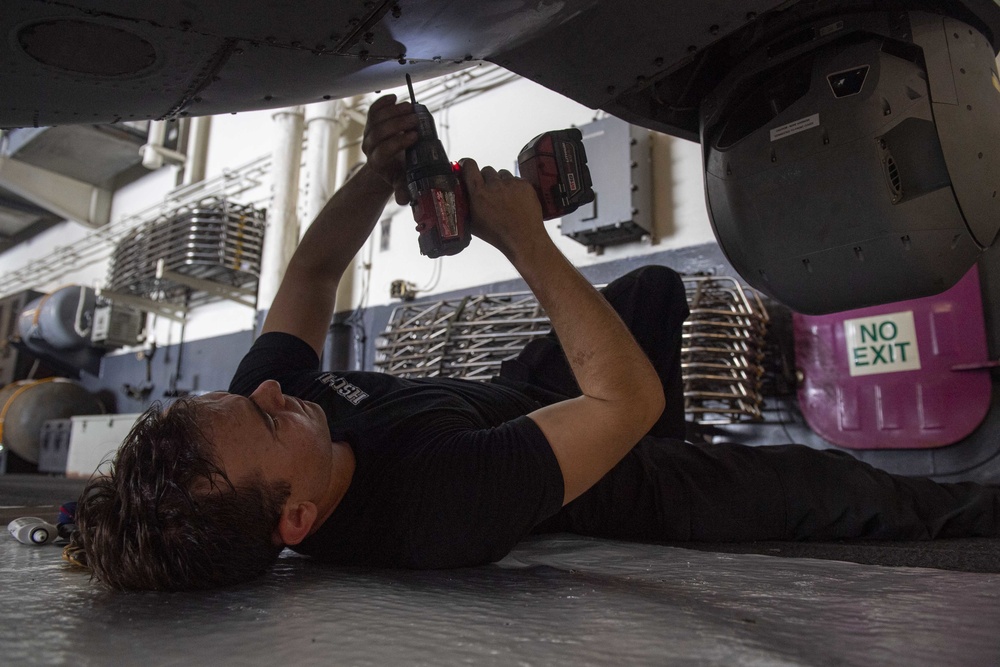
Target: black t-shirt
(449, 472)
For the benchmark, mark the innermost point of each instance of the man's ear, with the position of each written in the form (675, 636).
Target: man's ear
(296, 521)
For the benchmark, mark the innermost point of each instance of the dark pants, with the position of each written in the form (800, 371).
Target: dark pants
(667, 489)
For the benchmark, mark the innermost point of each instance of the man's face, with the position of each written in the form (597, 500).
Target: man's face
(280, 437)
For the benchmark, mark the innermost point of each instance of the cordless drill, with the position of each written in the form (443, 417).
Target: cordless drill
(555, 163)
(440, 207)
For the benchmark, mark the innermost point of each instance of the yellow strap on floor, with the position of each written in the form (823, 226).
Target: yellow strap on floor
(75, 555)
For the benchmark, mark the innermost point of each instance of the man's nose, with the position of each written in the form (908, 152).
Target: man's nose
(269, 392)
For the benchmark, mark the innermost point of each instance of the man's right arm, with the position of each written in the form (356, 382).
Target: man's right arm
(304, 303)
(621, 394)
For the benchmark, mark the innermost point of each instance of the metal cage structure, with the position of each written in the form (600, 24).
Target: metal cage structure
(213, 240)
(721, 355)
(722, 350)
(465, 338)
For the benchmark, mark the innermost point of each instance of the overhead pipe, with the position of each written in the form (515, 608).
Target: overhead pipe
(153, 152)
(324, 123)
(282, 233)
(157, 134)
(338, 350)
(197, 149)
(353, 157)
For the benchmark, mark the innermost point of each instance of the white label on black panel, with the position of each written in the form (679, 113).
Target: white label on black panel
(796, 126)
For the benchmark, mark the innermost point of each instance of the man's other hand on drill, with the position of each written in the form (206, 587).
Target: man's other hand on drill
(504, 209)
(391, 129)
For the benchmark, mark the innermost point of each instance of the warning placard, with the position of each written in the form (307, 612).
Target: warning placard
(882, 344)
(796, 126)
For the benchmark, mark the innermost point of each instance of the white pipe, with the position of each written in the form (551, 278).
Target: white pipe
(282, 233)
(352, 158)
(323, 126)
(197, 149)
(165, 154)
(151, 158)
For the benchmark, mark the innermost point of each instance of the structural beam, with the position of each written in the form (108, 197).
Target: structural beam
(158, 308)
(241, 295)
(64, 196)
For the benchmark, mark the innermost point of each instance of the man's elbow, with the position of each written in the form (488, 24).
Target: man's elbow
(646, 401)
(656, 403)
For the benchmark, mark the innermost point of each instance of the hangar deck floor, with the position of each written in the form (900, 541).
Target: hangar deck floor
(555, 600)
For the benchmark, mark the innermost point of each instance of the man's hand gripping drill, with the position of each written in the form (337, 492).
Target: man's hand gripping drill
(554, 163)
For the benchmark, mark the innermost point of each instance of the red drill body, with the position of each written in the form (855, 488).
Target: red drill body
(438, 200)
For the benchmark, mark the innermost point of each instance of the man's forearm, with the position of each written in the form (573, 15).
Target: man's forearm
(341, 228)
(606, 361)
(622, 395)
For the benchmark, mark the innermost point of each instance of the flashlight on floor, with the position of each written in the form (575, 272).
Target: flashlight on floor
(32, 530)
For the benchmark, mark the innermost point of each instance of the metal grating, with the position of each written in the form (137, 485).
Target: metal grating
(722, 350)
(721, 353)
(212, 239)
(466, 338)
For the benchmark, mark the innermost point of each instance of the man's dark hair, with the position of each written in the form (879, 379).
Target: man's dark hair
(166, 517)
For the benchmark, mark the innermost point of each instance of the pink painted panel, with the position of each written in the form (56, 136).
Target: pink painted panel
(884, 378)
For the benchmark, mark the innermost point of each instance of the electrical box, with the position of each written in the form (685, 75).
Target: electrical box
(117, 326)
(619, 156)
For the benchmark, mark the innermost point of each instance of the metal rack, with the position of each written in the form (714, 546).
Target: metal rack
(208, 249)
(467, 338)
(722, 350)
(721, 354)
(98, 245)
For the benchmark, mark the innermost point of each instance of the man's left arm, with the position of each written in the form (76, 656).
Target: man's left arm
(304, 303)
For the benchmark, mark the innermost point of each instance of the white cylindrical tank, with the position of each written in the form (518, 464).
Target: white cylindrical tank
(61, 318)
(26, 405)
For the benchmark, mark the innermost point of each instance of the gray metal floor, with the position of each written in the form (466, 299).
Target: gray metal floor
(555, 600)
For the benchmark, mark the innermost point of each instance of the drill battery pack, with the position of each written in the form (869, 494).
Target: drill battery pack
(555, 163)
